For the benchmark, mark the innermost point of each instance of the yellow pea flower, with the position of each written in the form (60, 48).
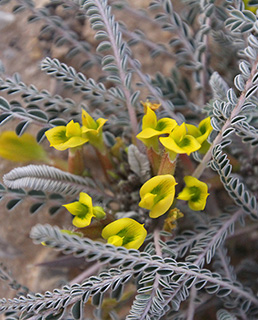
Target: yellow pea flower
(64, 137)
(84, 211)
(125, 232)
(195, 192)
(92, 130)
(180, 142)
(21, 148)
(250, 8)
(201, 133)
(157, 194)
(152, 128)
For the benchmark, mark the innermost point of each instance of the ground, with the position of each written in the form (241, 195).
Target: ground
(21, 51)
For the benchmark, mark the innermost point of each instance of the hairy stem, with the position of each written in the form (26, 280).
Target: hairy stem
(203, 164)
(130, 108)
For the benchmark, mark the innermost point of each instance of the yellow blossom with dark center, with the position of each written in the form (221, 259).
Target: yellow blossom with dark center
(157, 194)
(152, 128)
(195, 192)
(125, 232)
(64, 137)
(84, 211)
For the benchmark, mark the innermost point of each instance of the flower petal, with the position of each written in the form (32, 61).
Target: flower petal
(147, 201)
(73, 129)
(101, 122)
(166, 180)
(115, 240)
(162, 206)
(132, 232)
(56, 135)
(149, 120)
(82, 222)
(73, 142)
(88, 121)
(76, 208)
(178, 132)
(170, 144)
(165, 125)
(185, 194)
(193, 130)
(205, 128)
(194, 182)
(85, 199)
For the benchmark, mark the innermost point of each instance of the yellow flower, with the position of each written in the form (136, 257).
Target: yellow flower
(125, 232)
(152, 128)
(201, 133)
(21, 148)
(84, 211)
(92, 130)
(180, 142)
(157, 194)
(250, 8)
(64, 137)
(195, 192)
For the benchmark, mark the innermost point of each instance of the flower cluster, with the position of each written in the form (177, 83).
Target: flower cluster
(157, 194)
(73, 135)
(122, 232)
(176, 139)
(166, 139)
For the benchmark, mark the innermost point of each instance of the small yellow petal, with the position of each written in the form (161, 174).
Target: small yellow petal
(162, 206)
(72, 142)
(76, 208)
(193, 130)
(170, 144)
(179, 131)
(56, 135)
(166, 180)
(73, 129)
(88, 121)
(101, 122)
(147, 133)
(115, 240)
(132, 232)
(147, 201)
(149, 120)
(82, 222)
(185, 194)
(165, 125)
(85, 199)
